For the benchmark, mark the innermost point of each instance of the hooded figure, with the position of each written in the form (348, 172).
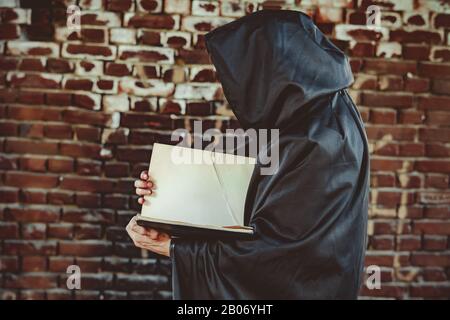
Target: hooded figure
(278, 71)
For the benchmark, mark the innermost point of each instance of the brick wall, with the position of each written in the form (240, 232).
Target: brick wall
(79, 113)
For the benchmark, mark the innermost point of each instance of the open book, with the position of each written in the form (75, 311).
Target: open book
(198, 192)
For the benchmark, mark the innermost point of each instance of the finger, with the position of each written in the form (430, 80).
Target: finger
(144, 175)
(130, 224)
(138, 229)
(143, 192)
(141, 200)
(143, 239)
(153, 234)
(140, 184)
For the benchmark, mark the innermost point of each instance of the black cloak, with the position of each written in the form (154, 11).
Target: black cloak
(279, 71)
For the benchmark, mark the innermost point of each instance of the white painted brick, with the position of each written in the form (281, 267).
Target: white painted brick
(108, 132)
(179, 73)
(434, 5)
(113, 90)
(165, 36)
(205, 8)
(62, 33)
(23, 16)
(95, 97)
(177, 6)
(389, 49)
(113, 103)
(123, 36)
(152, 101)
(195, 69)
(95, 70)
(155, 87)
(189, 23)
(341, 31)
(72, 77)
(167, 52)
(66, 54)
(109, 19)
(232, 8)
(438, 48)
(114, 121)
(9, 3)
(422, 13)
(332, 3)
(91, 4)
(22, 48)
(163, 103)
(129, 15)
(136, 73)
(140, 5)
(387, 17)
(198, 91)
(327, 14)
(21, 75)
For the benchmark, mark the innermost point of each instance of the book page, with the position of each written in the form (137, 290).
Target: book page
(192, 192)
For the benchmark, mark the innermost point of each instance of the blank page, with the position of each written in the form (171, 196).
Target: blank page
(203, 193)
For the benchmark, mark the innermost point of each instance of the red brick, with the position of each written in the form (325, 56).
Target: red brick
(34, 113)
(430, 291)
(384, 66)
(434, 70)
(33, 81)
(31, 281)
(60, 165)
(86, 248)
(383, 116)
(32, 215)
(30, 180)
(88, 200)
(34, 264)
(87, 134)
(436, 227)
(440, 259)
(58, 131)
(29, 247)
(434, 243)
(151, 21)
(416, 52)
(387, 100)
(409, 243)
(434, 135)
(59, 99)
(119, 5)
(60, 231)
(31, 97)
(87, 184)
(397, 133)
(31, 64)
(32, 196)
(416, 36)
(9, 31)
(33, 164)
(8, 230)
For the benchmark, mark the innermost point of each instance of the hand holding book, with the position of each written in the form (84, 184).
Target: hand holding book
(147, 238)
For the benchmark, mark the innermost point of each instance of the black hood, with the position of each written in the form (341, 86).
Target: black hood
(272, 63)
(310, 216)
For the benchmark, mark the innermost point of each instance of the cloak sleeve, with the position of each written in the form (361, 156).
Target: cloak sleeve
(278, 71)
